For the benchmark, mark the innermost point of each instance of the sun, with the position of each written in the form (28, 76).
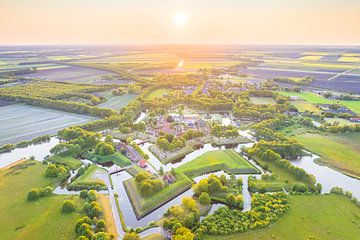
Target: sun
(180, 18)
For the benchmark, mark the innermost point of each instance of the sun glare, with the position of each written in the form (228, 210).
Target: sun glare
(180, 18)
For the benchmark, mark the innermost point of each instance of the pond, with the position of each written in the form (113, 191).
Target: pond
(39, 151)
(328, 177)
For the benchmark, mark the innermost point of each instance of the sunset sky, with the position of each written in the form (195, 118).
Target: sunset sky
(196, 21)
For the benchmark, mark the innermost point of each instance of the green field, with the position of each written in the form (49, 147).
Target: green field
(116, 158)
(341, 151)
(20, 122)
(227, 160)
(156, 93)
(89, 178)
(262, 100)
(72, 162)
(283, 175)
(320, 217)
(41, 219)
(316, 98)
(116, 102)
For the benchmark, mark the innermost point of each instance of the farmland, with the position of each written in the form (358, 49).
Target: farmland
(314, 98)
(311, 217)
(33, 220)
(116, 102)
(22, 122)
(70, 74)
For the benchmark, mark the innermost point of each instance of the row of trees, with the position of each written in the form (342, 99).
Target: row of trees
(91, 227)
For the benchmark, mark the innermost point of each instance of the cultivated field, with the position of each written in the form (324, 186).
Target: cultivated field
(321, 217)
(262, 100)
(22, 122)
(116, 102)
(71, 74)
(316, 98)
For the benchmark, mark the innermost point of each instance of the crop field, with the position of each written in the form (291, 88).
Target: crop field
(262, 100)
(71, 74)
(116, 102)
(340, 151)
(311, 58)
(316, 98)
(227, 160)
(41, 219)
(23, 122)
(320, 217)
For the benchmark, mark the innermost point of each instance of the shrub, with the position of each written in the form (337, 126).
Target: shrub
(204, 198)
(68, 206)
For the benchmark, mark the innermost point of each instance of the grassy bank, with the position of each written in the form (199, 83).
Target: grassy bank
(340, 151)
(116, 158)
(89, 180)
(227, 160)
(320, 217)
(41, 219)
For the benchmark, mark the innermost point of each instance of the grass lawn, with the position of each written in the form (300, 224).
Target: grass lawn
(72, 162)
(316, 98)
(320, 217)
(227, 160)
(89, 178)
(340, 151)
(156, 93)
(270, 185)
(117, 158)
(284, 175)
(40, 219)
(262, 100)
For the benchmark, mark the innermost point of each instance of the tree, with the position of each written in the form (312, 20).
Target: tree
(33, 195)
(131, 236)
(161, 171)
(109, 139)
(101, 236)
(189, 203)
(84, 194)
(183, 233)
(204, 198)
(68, 206)
(103, 148)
